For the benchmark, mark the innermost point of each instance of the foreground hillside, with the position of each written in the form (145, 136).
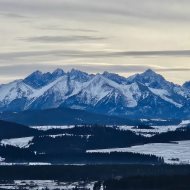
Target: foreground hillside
(96, 177)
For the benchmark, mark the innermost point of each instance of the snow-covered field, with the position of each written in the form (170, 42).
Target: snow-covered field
(67, 134)
(24, 163)
(46, 184)
(144, 132)
(185, 122)
(1, 159)
(150, 132)
(25, 142)
(18, 142)
(154, 129)
(173, 153)
(48, 127)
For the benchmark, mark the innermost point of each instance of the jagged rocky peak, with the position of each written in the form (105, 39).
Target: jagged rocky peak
(115, 77)
(98, 92)
(151, 79)
(98, 77)
(35, 74)
(77, 72)
(150, 72)
(58, 72)
(79, 75)
(38, 79)
(187, 85)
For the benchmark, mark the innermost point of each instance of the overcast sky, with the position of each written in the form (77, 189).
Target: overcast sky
(122, 36)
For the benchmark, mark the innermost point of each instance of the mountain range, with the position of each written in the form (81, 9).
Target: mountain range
(147, 95)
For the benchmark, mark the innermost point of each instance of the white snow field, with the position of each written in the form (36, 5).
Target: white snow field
(1, 159)
(43, 184)
(155, 129)
(18, 142)
(173, 153)
(48, 127)
(144, 132)
(150, 132)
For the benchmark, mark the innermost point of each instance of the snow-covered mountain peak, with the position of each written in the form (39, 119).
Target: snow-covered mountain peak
(35, 75)
(77, 72)
(38, 79)
(79, 75)
(99, 79)
(150, 79)
(150, 72)
(14, 90)
(39, 92)
(151, 75)
(187, 85)
(104, 87)
(115, 77)
(143, 94)
(58, 72)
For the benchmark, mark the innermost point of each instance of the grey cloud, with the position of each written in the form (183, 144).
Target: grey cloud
(151, 9)
(154, 53)
(23, 69)
(123, 68)
(93, 54)
(60, 39)
(13, 15)
(56, 27)
(120, 68)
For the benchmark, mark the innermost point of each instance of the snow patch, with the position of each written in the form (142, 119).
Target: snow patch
(49, 127)
(149, 132)
(164, 95)
(46, 184)
(173, 153)
(24, 142)
(2, 159)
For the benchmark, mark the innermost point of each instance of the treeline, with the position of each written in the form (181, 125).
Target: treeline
(80, 139)
(93, 172)
(164, 182)
(102, 158)
(85, 138)
(14, 154)
(178, 135)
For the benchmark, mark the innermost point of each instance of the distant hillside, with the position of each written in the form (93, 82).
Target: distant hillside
(63, 116)
(14, 130)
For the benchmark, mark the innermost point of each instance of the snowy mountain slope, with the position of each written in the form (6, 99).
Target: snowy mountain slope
(173, 93)
(115, 77)
(16, 89)
(101, 92)
(146, 94)
(13, 91)
(187, 85)
(165, 96)
(79, 75)
(55, 93)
